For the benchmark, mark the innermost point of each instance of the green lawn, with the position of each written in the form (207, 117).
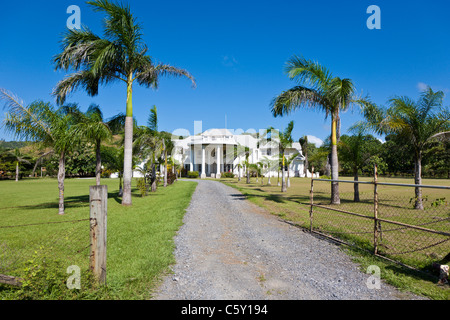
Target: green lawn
(395, 203)
(139, 238)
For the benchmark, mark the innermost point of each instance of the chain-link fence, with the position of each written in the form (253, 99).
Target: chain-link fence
(22, 245)
(390, 219)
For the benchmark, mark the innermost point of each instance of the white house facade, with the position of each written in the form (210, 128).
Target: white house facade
(216, 151)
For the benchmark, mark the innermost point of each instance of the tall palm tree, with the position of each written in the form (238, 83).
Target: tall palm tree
(419, 122)
(120, 55)
(41, 122)
(318, 89)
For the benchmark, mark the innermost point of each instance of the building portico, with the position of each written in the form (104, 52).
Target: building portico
(216, 151)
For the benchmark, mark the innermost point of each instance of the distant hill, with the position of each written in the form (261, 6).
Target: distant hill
(8, 145)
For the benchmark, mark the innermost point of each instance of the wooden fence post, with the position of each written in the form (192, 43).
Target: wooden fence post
(311, 199)
(375, 209)
(98, 200)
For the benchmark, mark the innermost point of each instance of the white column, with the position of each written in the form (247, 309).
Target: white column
(191, 161)
(222, 164)
(203, 163)
(218, 157)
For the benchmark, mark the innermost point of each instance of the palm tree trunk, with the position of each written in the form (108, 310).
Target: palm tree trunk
(418, 180)
(98, 167)
(305, 154)
(120, 185)
(61, 176)
(17, 171)
(283, 177)
(288, 179)
(165, 168)
(248, 174)
(334, 163)
(128, 146)
(127, 162)
(355, 186)
(153, 179)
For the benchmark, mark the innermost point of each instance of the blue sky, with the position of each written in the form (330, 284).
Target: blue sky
(236, 50)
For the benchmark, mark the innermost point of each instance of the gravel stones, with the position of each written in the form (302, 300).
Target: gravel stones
(230, 249)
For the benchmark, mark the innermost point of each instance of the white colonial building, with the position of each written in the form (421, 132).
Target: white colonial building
(216, 151)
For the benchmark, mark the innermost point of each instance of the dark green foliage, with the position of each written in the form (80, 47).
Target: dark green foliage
(192, 174)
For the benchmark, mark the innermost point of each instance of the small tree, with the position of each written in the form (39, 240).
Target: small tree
(357, 150)
(17, 158)
(418, 122)
(40, 122)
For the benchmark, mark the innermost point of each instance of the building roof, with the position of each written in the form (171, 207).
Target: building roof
(217, 132)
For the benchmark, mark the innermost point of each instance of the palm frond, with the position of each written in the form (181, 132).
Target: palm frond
(296, 97)
(149, 74)
(152, 122)
(306, 71)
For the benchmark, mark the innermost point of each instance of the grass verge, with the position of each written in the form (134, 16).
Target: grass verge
(292, 206)
(139, 238)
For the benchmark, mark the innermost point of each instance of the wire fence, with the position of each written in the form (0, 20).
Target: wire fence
(64, 241)
(384, 218)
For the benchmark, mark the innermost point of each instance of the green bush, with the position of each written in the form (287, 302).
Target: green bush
(192, 174)
(45, 278)
(142, 186)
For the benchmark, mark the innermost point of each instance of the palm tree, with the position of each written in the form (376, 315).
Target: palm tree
(120, 55)
(284, 141)
(113, 160)
(357, 150)
(269, 165)
(318, 89)
(304, 144)
(17, 157)
(40, 122)
(91, 126)
(288, 161)
(149, 144)
(168, 145)
(419, 122)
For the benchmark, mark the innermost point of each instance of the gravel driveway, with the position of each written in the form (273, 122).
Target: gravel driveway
(230, 249)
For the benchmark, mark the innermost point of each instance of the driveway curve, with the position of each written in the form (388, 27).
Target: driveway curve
(231, 249)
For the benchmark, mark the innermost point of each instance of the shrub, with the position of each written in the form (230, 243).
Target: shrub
(142, 186)
(45, 277)
(192, 174)
(171, 177)
(228, 175)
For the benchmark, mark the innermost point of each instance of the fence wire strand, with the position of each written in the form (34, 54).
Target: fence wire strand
(417, 237)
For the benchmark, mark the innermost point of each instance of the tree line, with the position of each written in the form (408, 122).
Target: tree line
(417, 124)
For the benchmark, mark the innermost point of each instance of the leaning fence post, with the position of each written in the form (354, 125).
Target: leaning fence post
(375, 209)
(311, 201)
(98, 200)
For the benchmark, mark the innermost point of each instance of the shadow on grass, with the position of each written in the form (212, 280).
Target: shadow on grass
(79, 201)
